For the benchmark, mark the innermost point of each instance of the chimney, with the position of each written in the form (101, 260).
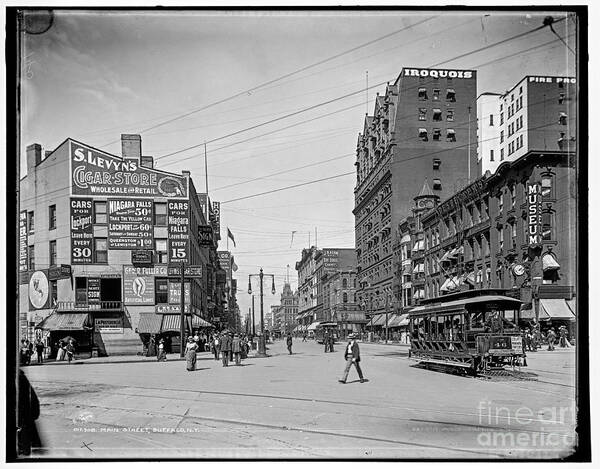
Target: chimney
(34, 157)
(47, 153)
(131, 146)
(147, 162)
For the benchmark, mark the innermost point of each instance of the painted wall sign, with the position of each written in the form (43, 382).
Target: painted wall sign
(172, 309)
(205, 235)
(23, 241)
(534, 215)
(138, 284)
(141, 256)
(94, 172)
(188, 271)
(174, 297)
(552, 80)
(39, 290)
(82, 231)
(331, 260)
(130, 224)
(423, 72)
(178, 230)
(58, 272)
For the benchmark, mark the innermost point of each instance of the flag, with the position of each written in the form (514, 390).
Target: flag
(230, 235)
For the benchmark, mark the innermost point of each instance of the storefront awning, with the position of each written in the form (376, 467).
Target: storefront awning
(171, 322)
(445, 257)
(453, 283)
(444, 286)
(149, 323)
(556, 309)
(313, 326)
(572, 305)
(198, 322)
(65, 322)
(549, 262)
(405, 239)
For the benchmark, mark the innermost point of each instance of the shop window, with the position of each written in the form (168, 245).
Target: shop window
(436, 95)
(450, 115)
(31, 257)
(450, 135)
(547, 186)
(562, 118)
(437, 133)
(422, 94)
(437, 184)
(437, 115)
(30, 222)
(53, 253)
(160, 248)
(161, 291)
(81, 293)
(100, 213)
(52, 217)
(491, 120)
(345, 297)
(422, 114)
(100, 251)
(160, 214)
(423, 134)
(437, 163)
(451, 95)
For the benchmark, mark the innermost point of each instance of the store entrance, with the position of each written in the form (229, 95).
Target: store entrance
(110, 289)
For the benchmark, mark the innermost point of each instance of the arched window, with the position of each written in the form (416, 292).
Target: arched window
(345, 283)
(345, 297)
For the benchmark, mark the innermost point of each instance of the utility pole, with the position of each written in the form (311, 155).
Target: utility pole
(262, 346)
(253, 329)
(182, 314)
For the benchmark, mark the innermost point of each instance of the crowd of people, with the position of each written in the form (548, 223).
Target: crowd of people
(65, 350)
(534, 338)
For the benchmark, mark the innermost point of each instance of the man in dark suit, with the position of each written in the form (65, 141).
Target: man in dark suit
(225, 348)
(352, 356)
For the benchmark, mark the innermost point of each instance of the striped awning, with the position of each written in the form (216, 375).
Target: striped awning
(65, 322)
(171, 322)
(149, 323)
(549, 262)
(198, 322)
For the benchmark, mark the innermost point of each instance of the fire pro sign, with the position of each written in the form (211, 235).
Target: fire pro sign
(96, 173)
(82, 231)
(178, 229)
(130, 224)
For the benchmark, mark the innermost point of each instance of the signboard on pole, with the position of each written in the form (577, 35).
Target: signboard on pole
(174, 297)
(172, 309)
(97, 173)
(130, 224)
(138, 284)
(82, 231)
(216, 217)
(188, 271)
(205, 235)
(178, 229)
(93, 290)
(23, 241)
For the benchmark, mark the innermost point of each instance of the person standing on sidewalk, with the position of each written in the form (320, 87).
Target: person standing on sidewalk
(352, 357)
(225, 348)
(326, 340)
(162, 355)
(288, 341)
(216, 346)
(39, 348)
(236, 348)
(190, 354)
(70, 351)
(551, 339)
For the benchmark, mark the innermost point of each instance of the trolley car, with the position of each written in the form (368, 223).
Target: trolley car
(324, 327)
(474, 331)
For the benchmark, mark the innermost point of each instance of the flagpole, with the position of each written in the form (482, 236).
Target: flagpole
(206, 178)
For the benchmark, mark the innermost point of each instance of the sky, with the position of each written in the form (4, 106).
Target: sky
(180, 79)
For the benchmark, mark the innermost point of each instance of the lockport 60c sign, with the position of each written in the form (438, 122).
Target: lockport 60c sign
(82, 231)
(94, 172)
(130, 224)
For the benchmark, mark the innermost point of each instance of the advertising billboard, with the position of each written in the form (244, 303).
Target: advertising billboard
(39, 290)
(138, 284)
(23, 241)
(175, 293)
(97, 173)
(130, 223)
(216, 217)
(178, 230)
(331, 260)
(82, 231)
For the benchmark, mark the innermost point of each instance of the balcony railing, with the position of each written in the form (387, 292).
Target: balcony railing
(83, 306)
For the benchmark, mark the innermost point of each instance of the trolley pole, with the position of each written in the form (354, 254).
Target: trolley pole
(253, 328)
(182, 312)
(262, 346)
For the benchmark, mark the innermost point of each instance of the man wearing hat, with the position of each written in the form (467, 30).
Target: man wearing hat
(551, 336)
(352, 356)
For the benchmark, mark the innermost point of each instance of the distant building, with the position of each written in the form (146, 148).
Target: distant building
(287, 311)
(536, 114)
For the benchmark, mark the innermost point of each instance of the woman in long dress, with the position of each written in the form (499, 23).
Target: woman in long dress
(190, 354)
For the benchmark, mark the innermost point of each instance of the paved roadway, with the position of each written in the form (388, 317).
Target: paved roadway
(294, 407)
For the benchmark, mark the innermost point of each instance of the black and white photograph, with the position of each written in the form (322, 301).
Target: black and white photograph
(297, 233)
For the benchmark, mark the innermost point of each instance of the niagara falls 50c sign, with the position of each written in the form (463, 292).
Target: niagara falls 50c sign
(94, 172)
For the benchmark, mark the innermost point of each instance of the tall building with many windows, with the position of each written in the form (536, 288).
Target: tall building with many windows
(421, 128)
(536, 114)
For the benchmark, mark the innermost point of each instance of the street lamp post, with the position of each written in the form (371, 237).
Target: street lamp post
(262, 346)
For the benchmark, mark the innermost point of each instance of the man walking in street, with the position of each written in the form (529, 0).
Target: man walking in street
(225, 348)
(289, 342)
(551, 339)
(352, 357)
(236, 347)
(326, 341)
(304, 337)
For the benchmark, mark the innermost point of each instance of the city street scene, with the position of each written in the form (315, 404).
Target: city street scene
(331, 234)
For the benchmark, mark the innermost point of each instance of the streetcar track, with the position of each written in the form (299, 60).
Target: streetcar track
(420, 410)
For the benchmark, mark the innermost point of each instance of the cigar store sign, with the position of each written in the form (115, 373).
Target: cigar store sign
(94, 172)
(420, 72)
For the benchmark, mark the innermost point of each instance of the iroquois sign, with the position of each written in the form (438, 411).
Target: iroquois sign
(94, 172)
(421, 72)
